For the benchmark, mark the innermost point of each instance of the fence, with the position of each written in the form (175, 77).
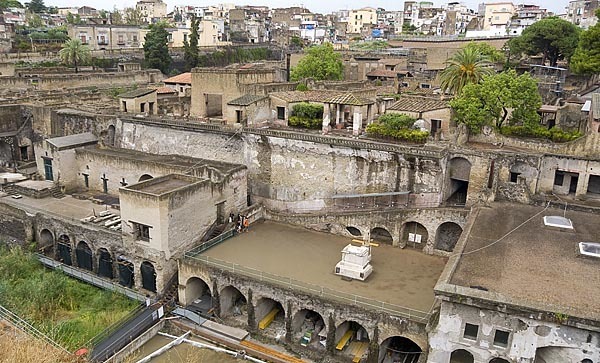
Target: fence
(210, 243)
(90, 278)
(357, 300)
(23, 325)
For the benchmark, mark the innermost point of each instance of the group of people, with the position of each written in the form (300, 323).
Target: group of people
(241, 222)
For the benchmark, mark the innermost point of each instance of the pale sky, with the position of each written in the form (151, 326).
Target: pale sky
(320, 6)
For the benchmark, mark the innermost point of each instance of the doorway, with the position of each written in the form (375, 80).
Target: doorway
(48, 169)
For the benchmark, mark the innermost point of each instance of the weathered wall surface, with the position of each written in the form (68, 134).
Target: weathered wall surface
(527, 338)
(15, 226)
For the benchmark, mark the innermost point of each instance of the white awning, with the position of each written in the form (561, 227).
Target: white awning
(587, 106)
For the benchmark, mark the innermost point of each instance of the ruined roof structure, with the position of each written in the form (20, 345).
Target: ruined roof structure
(136, 93)
(246, 100)
(73, 141)
(417, 104)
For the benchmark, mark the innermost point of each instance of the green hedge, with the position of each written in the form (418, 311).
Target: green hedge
(554, 134)
(307, 115)
(380, 130)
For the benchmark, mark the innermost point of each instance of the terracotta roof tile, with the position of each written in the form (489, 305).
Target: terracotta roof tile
(305, 96)
(418, 104)
(349, 99)
(165, 90)
(185, 78)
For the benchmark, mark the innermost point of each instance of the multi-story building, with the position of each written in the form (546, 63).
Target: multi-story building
(458, 17)
(152, 10)
(107, 36)
(582, 12)
(361, 20)
(497, 17)
(525, 16)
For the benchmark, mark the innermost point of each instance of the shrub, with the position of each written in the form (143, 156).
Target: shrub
(554, 134)
(307, 123)
(398, 127)
(307, 115)
(301, 87)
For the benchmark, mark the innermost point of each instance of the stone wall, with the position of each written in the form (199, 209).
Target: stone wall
(15, 226)
(55, 81)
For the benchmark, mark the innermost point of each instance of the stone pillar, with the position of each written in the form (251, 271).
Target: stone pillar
(356, 121)
(326, 116)
(382, 111)
(338, 108)
(369, 114)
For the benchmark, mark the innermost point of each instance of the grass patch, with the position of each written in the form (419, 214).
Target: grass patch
(68, 311)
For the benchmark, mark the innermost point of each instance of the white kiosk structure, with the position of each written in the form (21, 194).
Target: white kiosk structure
(355, 263)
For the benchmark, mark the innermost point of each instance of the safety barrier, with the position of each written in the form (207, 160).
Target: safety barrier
(210, 243)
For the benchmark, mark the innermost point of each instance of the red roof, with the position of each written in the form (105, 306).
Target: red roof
(185, 78)
(165, 90)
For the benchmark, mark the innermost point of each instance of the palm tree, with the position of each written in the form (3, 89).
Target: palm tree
(74, 52)
(466, 66)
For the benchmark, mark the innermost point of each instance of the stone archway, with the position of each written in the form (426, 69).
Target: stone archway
(354, 231)
(269, 311)
(381, 235)
(461, 356)
(105, 264)
(232, 301)
(198, 296)
(307, 326)
(126, 272)
(46, 243)
(148, 276)
(499, 360)
(110, 135)
(352, 339)
(447, 235)
(399, 349)
(414, 235)
(85, 259)
(145, 177)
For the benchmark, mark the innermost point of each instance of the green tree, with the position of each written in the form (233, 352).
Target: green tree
(485, 49)
(586, 59)
(320, 63)
(296, 42)
(467, 66)
(133, 16)
(34, 20)
(156, 52)
(555, 39)
(499, 98)
(36, 6)
(115, 17)
(74, 53)
(190, 49)
(73, 19)
(5, 4)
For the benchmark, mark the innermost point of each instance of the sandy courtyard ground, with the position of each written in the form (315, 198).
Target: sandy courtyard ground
(400, 276)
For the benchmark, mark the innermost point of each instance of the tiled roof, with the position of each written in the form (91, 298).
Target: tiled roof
(185, 78)
(382, 73)
(349, 99)
(246, 100)
(305, 96)
(136, 93)
(418, 104)
(165, 90)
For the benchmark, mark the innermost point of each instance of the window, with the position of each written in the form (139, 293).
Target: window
(514, 177)
(141, 231)
(281, 113)
(142, 107)
(425, 85)
(501, 338)
(86, 180)
(471, 331)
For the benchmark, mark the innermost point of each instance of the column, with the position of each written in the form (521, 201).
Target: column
(356, 121)
(337, 113)
(369, 114)
(326, 120)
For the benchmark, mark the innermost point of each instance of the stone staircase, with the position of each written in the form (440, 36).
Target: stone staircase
(216, 231)
(57, 193)
(170, 296)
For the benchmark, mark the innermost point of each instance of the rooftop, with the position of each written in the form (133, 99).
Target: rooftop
(382, 73)
(418, 104)
(164, 185)
(306, 96)
(67, 207)
(402, 277)
(349, 99)
(71, 141)
(136, 93)
(558, 278)
(185, 78)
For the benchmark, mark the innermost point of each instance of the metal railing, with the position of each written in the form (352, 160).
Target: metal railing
(115, 326)
(357, 300)
(90, 278)
(24, 326)
(210, 243)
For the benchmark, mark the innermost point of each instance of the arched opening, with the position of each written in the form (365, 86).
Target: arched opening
(145, 177)
(126, 276)
(352, 338)
(381, 235)
(415, 235)
(587, 361)
(84, 256)
(308, 326)
(110, 137)
(499, 360)
(197, 296)
(148, 276)
(461, 356)
(447, 235)
(459, 171)
(269, 313)
(105, 264)
(354, 231)
(46, 243)
(233, 302)
(64, 249)
(399, 349)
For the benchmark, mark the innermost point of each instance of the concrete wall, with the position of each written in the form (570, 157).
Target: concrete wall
(252, 114)
(143, 104)
(527, 335)
(572, 166)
